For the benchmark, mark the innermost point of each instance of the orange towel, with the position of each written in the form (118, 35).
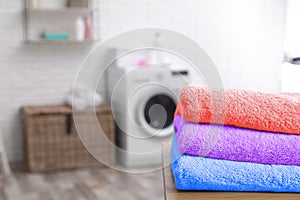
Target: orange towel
(241, 108)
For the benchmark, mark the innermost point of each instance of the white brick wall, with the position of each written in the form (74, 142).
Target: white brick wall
(243, 38)
(30, 74)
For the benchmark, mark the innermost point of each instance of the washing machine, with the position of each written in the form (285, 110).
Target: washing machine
(143, 101)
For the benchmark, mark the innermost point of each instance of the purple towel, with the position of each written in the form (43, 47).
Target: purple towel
(236, 144)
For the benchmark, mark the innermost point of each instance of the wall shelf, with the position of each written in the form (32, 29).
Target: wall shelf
(44, 41)
(48, 18)
(62, 10)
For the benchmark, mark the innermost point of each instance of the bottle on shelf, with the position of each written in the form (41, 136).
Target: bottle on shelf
(88, 27)
(157, 57)
(79, 29)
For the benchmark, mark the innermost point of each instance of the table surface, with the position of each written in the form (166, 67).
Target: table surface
(171, 193)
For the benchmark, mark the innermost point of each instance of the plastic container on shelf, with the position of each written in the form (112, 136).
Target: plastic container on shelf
(88, 28)
(79, 29)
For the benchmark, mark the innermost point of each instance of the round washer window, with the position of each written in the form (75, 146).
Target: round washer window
(159, 111)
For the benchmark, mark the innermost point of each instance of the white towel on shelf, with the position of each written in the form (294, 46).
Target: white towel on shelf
(83, 99)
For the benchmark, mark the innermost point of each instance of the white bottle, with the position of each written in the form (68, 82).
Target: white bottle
(155, 57)
(79, 29)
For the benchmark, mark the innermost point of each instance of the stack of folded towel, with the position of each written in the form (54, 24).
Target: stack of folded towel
(236, 140)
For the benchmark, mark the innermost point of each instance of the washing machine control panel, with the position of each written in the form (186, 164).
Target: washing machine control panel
(180, 73)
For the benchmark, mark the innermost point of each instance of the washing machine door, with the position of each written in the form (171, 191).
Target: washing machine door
(155, 110)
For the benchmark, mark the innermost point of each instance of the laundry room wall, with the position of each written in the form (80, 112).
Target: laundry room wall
(30, 74)
(243, 38)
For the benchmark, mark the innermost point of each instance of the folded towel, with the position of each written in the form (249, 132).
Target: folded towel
(56, 36)
(198, 173)
(241, 108)
(83, 99)
(236, 144)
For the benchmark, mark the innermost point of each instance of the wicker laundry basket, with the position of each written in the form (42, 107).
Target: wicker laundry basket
(52, 142)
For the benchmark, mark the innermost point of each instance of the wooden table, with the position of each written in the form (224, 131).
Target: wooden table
(171, 193)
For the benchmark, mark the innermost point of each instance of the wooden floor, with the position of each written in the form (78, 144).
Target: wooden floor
(90, 184)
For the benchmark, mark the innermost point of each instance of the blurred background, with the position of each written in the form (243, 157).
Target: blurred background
(254, 44)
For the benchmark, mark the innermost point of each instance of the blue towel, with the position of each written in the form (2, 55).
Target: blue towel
(198, 173)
